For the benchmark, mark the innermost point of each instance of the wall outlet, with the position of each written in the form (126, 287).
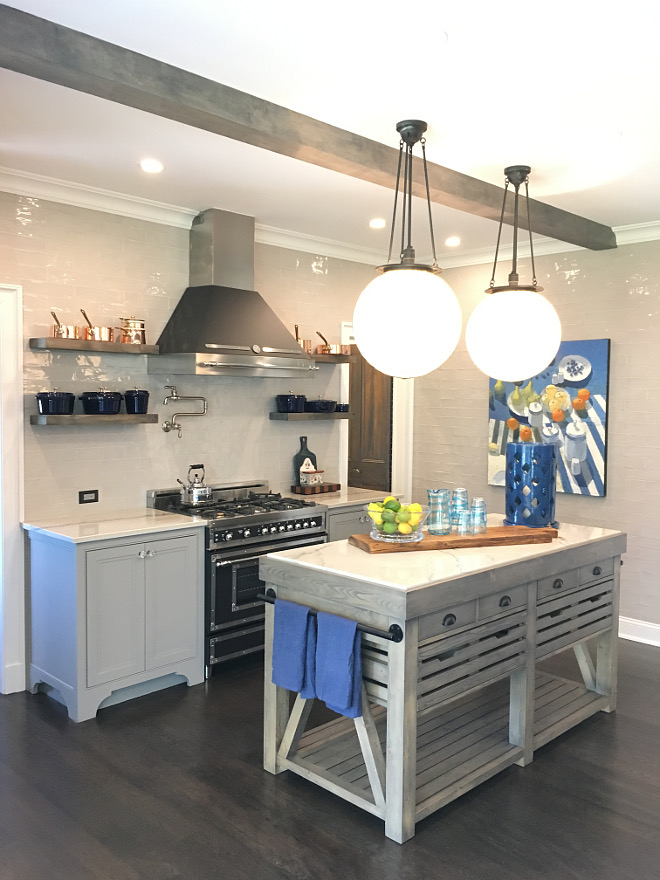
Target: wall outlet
(88, 496)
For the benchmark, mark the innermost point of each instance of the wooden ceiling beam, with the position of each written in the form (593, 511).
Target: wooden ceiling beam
(42, 49)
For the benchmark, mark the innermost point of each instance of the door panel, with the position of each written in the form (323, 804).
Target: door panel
(370, 429)
(173, 616)
(115, 613)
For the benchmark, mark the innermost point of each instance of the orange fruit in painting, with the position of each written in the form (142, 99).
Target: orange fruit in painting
(584, 393)
(525, 433)
(579, 403)
(512, 423)
(557, 415)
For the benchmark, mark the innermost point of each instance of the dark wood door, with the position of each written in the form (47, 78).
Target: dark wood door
(370, 429)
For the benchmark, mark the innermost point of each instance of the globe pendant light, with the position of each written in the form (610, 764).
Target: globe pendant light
(514, 333)
(407, 321)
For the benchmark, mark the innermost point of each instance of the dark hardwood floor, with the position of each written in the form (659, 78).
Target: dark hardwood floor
(171, 786)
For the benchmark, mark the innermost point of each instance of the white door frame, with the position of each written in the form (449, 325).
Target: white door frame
(12, 577)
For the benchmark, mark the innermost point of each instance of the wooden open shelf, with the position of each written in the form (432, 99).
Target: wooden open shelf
(307, 417)
(54, 343)
(120, 418)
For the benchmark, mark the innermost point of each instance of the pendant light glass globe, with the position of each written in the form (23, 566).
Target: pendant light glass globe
(513, 334)
(407, 322)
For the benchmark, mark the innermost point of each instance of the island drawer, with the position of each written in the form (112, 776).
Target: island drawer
(557, 583)
(451, 665)
(498, 603)
(570, 618)
(597, 571)
(447, 620)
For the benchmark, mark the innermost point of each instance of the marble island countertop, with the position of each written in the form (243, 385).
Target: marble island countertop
(413, 570)
(348, 497)
(114, 524)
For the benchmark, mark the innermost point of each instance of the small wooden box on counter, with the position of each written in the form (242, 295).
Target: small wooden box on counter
(317, 489)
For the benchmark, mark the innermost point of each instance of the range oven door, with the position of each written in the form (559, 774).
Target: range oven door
(234, 615)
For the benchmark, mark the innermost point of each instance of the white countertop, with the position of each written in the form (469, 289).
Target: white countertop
(118, 524)
(348, 497)
(411, 570)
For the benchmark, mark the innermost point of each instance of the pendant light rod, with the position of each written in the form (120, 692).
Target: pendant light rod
(515, 175)
(411, 132)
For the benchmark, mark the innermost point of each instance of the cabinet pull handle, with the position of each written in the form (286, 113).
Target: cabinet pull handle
(142, 554)
(151, 553)
(558, 584)
(597, 570)
(449, 620)
(505, 601)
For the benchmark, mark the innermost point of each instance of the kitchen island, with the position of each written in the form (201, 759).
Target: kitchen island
(461, 695)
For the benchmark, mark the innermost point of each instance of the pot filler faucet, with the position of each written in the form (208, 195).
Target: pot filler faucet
(172, 424)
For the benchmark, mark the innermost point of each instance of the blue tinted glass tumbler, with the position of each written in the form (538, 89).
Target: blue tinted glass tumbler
(531, 477)
(478, 516)
(439, 520)
(459, 505)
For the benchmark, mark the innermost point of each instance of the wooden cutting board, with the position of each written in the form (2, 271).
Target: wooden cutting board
(495, 536)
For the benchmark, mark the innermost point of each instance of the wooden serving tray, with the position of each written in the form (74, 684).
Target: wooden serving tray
(316, 490)
(495, 536)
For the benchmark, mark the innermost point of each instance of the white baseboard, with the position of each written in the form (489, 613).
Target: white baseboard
(639, 631)
(13, 678)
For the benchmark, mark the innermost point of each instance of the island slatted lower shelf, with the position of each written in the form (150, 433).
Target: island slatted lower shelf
(459, 745)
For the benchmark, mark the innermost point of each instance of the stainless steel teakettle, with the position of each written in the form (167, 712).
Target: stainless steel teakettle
(196, 492)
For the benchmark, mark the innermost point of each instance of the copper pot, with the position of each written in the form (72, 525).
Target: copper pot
(97, 334)
(132, 331)
(64, 331)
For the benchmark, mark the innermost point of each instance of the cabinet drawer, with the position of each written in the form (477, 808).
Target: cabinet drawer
(500, 602)
(596, 571)
(447, 620)
(557, 583)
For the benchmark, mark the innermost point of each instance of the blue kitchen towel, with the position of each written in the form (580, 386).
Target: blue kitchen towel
(339, 664)
(294, 648)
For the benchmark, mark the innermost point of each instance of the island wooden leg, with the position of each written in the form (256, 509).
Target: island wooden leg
(401, 758)
(521, 690)
(276, 701)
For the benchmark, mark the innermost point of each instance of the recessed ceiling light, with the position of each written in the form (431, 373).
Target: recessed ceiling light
(377, 223)
(452, 241)
(151, 166)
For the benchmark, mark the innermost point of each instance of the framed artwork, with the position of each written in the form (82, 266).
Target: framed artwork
(566, 405)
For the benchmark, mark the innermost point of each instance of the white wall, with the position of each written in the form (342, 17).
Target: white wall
(68, 258)
(609, 294)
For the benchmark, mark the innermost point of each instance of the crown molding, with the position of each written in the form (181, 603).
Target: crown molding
(37, 186)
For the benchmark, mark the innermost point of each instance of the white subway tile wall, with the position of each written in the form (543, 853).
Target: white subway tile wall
(67, 258)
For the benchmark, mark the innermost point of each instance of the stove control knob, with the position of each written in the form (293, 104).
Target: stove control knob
(264, 530)
(246, 533)
(281, 527)
(272, 529)
(313, 523)
(305, 524)
(228, 536)
(289, 527)
(298, 525)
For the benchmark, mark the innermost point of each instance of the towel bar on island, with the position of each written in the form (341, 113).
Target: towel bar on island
(394, 634)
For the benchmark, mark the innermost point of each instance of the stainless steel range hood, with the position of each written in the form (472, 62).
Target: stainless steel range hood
(221, 326)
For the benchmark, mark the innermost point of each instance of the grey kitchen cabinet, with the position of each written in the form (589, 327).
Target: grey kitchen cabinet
(345, 521)
(112, 614)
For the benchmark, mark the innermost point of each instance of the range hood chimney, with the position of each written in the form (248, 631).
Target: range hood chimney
(221, 325)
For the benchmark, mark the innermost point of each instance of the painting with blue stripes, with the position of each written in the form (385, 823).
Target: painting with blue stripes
(565, 404)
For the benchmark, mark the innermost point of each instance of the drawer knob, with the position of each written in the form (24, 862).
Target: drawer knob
(449, 620)
(558, 584)
(597, 570)
(505, 601)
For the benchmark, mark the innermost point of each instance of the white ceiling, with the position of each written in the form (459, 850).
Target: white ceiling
(570, 88)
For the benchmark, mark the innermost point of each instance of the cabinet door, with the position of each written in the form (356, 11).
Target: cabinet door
(348, 522)
(115, 613)
(173, 615)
